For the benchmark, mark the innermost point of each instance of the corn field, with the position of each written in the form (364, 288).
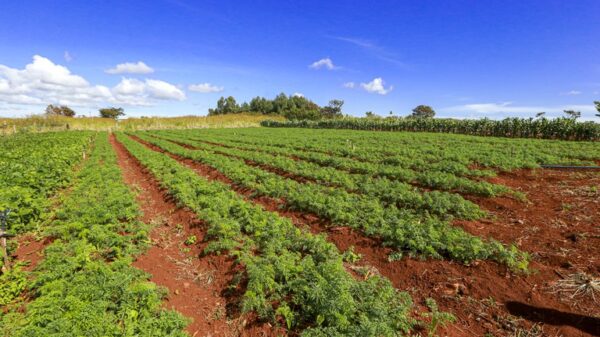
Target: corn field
(559, 128)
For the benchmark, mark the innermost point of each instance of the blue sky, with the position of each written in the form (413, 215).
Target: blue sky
(465, 58)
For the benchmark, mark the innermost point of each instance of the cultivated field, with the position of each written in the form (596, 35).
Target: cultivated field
(279, 231)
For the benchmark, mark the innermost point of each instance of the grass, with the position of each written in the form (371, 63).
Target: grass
(41, 123)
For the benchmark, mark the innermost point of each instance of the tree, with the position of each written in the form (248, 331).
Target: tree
(225, 106)
(333, 109)
(597, 108)
(572, 114)
(540, 114)
(59, 110)
(112, 112)
(423, 111)
(369, 114)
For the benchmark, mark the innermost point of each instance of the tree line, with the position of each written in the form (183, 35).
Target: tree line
(65, 111)
(290, 107)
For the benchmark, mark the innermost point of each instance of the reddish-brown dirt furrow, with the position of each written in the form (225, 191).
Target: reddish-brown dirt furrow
(198, 284)
(30, 249)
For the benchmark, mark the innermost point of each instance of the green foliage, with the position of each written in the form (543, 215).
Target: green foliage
(190, 240)
(333, 109)
(12, 284)
(572, 114)
(225, 106)
(423, 111)
(293, 276)
(436, 317)
(32, 168)
(85, 285)
(113, 113)
(559, 128)
(399, 227)
(292, 107)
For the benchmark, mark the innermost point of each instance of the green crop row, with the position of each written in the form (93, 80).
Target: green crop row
(32, 168)
(399, 228)
(402, 195)
(427, 178)
(559, 128)
(292, 275)
(85, 284)
(420, 150)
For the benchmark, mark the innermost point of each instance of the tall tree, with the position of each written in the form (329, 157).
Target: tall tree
(333, 109)
(597, 108)
(423, 111)
(112, 112)
(572, 114)
(59, 110)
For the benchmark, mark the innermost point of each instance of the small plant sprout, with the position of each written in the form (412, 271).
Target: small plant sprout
(190, 240)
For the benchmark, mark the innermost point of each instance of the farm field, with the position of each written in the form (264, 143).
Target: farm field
(289, 231)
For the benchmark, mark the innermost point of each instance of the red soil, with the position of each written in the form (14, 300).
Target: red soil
(486, 297)
(30, 250)
(198, 284)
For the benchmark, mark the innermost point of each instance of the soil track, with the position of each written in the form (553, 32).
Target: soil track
(198, 285)
(485, 297)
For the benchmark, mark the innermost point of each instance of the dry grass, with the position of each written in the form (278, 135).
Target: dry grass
(57, 123)
(578, 285)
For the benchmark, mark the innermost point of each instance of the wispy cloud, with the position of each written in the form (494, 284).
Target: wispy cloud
(205, 88)
(326, 63)
(377, 86)
(571, 93)
(510, 108)
(130, 68)
(373, 49)
(68, 56)
(349, 85)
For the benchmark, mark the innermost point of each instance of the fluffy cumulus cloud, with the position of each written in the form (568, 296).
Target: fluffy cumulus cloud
(137, 92)
(326, 63)
(205, 88)
(130, 68)
(377, 86)
(44, 82)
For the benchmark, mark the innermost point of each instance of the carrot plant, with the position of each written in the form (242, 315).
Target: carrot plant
(292, 275)
(85, 284)
(400, 228)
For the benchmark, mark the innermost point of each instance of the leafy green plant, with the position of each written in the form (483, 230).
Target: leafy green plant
(436, 318)
(190, 240)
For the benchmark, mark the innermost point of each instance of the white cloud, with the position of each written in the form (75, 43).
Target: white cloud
(44, 82)
(323, 63)
(298, 94)
(68, 56)
(163, 90)
(377, 86)
(130, 68)
(349, 85)
(205, 88)
(509, 108)
(571, 93)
